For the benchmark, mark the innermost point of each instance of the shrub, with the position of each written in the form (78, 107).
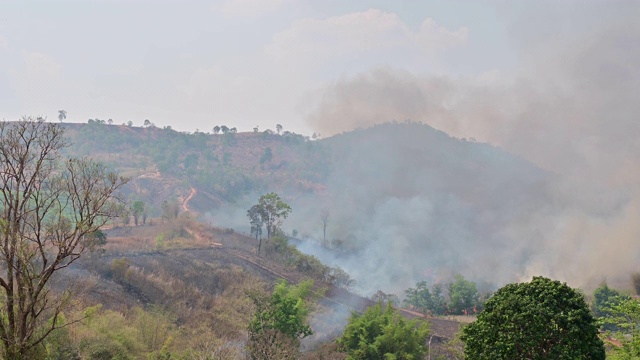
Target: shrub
(381, 333)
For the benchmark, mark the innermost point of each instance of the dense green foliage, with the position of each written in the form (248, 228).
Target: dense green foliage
(623, 315)
(424, 300)
(381, 333)
(604, 298)
(286, 310)
(280, 321)
(462, 298)
(542, 319)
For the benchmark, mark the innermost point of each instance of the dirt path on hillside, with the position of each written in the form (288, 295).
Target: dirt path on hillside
(185, 203)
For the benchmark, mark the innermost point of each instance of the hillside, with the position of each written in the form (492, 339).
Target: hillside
(405, 196)
(194, 285)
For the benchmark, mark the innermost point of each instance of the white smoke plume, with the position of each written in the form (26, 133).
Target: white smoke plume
(569, 107)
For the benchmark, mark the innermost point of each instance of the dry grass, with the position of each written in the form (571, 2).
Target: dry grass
(463, 319)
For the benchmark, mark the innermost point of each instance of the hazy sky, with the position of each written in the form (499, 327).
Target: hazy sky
(195, 64)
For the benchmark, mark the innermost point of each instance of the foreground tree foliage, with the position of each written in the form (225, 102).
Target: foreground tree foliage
(623, 315)
(382, 333)
(604, 299)
(280, 322)
(542, 319)
(51, 211)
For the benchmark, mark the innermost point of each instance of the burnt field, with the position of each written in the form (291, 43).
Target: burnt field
(205, 277)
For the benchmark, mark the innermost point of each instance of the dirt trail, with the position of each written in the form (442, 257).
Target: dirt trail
(185, 203)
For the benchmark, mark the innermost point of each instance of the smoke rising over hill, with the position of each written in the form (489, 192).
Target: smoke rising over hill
(569, 107)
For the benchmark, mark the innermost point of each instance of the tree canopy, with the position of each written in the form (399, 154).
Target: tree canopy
(269, 212)
(623, 315)
(381, 333)
(542, 319)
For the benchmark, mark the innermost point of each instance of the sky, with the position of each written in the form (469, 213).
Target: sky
(196, 64)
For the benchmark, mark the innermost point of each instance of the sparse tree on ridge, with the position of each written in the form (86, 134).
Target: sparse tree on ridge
(278, 128)
(216, 129)
(224, 129)
(50, 210)
(62, 115)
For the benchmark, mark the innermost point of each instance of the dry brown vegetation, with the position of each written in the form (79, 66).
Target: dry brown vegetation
(190, 282)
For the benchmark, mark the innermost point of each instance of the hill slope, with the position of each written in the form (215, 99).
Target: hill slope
(405, 202)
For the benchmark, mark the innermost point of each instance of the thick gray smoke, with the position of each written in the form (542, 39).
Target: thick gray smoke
(570, 107)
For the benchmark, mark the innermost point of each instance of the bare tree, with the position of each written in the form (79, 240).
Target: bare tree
(50, 209)
(325, 220)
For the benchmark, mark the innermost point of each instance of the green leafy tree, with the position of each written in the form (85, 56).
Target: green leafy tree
(272, 211)
(463, 296)
(624, 316)
(604, 298)
(381, 333)
(48, 207)
(256, 224)
(279, 321)
(542, 319)
(384, 298)
(424, 300)
(418, 297)
(137, 210)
